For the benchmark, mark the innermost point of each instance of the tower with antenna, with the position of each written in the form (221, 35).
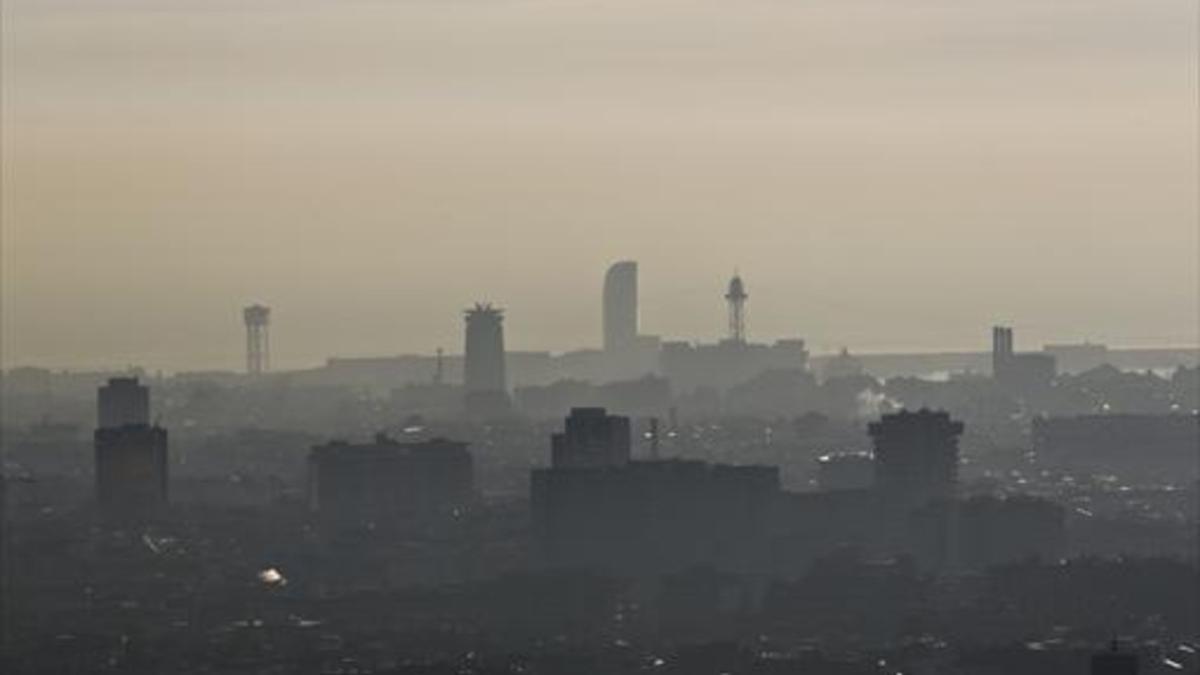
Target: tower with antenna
(258, 353)
(736, 298)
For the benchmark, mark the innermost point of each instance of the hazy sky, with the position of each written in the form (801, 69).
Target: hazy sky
(884, 173)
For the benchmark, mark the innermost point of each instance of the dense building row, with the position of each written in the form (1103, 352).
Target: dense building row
(595, 506)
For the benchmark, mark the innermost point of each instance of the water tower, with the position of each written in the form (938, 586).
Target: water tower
(258, 353)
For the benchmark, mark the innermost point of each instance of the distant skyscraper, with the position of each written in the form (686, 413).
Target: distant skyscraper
(736, 298)
(916, 456)
(131, 455)
(258, 352)
(620, 306)
(484, 381)
(122, 402)
(592, 438)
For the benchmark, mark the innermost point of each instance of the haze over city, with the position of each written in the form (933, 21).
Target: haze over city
(600, 337)
(885, 176)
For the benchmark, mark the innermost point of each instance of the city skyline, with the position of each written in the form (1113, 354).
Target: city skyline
(893, 183)
(879, 344)
(631, 337)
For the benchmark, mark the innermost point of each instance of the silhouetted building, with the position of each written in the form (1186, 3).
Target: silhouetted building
(983, 532)
(130, 455)
(595, 508)
(131, 469)
(484, 381)
(388, 483)
(736, 298)
(1114, 662)
(258, 343)
(620, 312)
(626, 354)
(647, 518)
(591, 438)
(1018, 372)
(122, 402)
(916, 456)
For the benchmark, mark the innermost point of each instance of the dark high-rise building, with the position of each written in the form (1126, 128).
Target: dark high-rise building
(131, 469)
(483, 370)
(916, 456)
(596, 508)
(131, 455)
(620, 312)
(387, 482)
(484, 380)
(649, 518)
(591, 438)
(122, 402)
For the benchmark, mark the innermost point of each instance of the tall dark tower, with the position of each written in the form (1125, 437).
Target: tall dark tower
(258, 352)
(916, 456)
(484, 380)
(620, 311)
(131, 455)
(736, 298)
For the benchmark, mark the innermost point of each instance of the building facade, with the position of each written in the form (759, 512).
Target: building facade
(122, 402)
(131, 469)
(387, 483)
(916, 457)
(591, 438)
